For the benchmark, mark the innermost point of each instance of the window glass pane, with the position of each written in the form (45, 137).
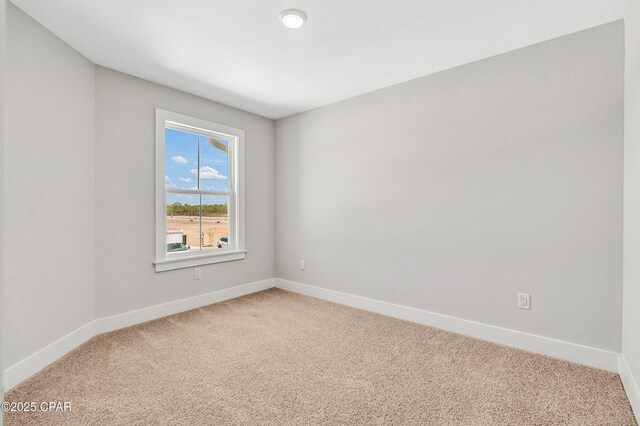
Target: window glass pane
(180, 160)
(215, 222)
(214, 164)
(183, 222)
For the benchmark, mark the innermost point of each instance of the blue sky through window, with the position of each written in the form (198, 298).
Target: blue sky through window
(181, 165)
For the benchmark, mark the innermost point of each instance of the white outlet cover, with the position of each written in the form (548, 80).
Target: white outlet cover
(197, 273)
(524, 301)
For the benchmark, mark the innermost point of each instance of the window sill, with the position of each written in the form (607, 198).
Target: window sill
(204, 259)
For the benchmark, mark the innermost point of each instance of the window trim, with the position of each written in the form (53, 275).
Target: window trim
(167, 261)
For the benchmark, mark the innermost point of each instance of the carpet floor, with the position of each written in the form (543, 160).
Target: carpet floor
(276, 357)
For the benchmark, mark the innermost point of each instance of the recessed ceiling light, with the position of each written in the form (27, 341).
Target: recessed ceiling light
(293, 18)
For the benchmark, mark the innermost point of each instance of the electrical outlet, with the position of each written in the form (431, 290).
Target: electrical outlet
(302, 264)
(524, 301)
(197, 273)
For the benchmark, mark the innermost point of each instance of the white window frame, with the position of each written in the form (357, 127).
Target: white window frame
(236, 250)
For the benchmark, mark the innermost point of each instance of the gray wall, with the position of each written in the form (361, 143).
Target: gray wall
(454, 192)
(3, 45)
(49, 221)
(631, 318)
(125, 191)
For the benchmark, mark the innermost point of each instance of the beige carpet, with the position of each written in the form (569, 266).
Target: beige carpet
(280, 358)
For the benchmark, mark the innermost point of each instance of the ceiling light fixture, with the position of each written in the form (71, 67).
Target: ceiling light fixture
(293, 18)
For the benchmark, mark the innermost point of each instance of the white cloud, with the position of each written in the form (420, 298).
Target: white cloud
(184, 179)
(179, 159)
(207, 172)
(168, 182)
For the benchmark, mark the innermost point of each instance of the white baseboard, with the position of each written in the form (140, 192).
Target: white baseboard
(45, 356)
(27, 367)
(572, 352)
(631, 386)
(116, 322)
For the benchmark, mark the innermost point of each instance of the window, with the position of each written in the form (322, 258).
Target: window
(199, 192)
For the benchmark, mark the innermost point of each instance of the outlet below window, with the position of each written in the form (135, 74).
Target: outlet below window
(524, 301)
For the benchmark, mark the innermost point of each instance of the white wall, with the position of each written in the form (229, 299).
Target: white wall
(48, 159)
(454, 192)
(124, 167)
(631, 291)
